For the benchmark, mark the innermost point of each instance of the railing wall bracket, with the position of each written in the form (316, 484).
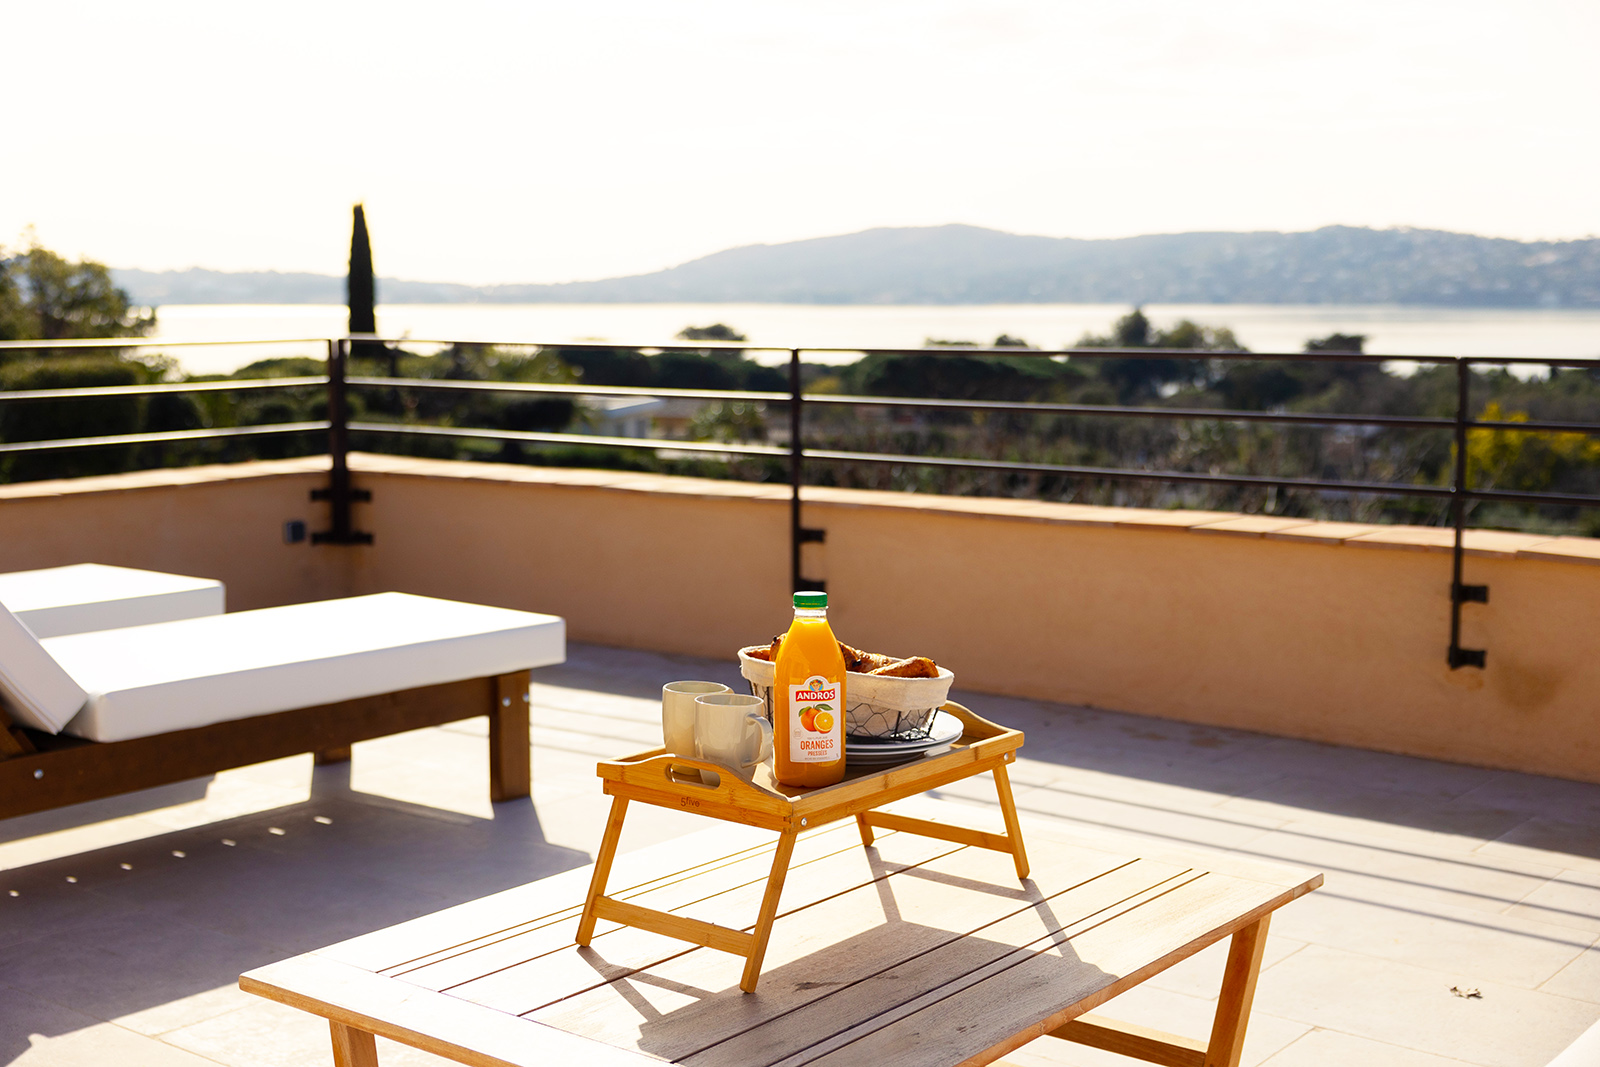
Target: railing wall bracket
(339, 493)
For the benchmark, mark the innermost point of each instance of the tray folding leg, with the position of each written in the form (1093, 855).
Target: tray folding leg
(656, 778)
(752, 945)
(602, 868)
(1008, 808)
(1010, 841)
(769, 910)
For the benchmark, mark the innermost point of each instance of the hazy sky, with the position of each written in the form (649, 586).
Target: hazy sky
(526, 141)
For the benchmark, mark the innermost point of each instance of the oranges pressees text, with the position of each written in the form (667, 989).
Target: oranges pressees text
(808, 699)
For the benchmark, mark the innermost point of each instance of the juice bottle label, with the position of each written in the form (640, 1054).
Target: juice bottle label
(816, 721)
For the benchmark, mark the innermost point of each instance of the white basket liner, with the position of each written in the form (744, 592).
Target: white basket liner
(876, 704)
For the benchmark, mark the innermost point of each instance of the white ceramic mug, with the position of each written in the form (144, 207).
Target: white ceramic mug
(677, 716)
(731, 730)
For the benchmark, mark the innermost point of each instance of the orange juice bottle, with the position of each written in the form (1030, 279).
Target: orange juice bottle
(808, 699)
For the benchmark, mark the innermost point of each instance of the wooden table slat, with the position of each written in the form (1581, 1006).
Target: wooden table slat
(516, 945)
(871, 1003)
(839, 944)
(1021, 996)
(434, 1022)
(566, 971)
(444, 931)
(914, 952)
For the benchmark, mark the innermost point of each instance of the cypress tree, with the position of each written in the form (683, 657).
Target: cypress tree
(361, 291)
(360, 287)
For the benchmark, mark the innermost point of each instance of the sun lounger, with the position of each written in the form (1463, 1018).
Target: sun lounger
(1584, 1052)
(116, 710)
(93, 596)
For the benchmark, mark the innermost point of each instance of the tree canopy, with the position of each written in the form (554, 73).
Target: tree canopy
(47, 298)
(1136, 378)
(715, 332)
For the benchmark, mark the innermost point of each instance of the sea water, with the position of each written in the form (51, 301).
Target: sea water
(1399, 331)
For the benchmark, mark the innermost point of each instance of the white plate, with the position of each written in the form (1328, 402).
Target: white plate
(872, 751)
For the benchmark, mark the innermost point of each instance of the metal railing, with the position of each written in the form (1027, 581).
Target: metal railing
(340, 494)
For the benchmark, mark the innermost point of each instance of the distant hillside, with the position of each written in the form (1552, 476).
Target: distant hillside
(970, 265)
(196, 286)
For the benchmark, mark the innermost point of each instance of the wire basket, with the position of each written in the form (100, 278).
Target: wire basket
(900, 709)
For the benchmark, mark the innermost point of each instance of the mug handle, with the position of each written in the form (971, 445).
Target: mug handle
(763, 739)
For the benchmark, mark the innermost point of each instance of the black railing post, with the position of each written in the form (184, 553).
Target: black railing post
(1459, 594)
(799, 533)
(796, 459)
(339, 493)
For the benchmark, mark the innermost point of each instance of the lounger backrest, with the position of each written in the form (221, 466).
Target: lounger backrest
(35, 690)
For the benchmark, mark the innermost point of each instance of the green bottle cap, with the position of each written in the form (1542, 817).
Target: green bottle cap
(811, 599)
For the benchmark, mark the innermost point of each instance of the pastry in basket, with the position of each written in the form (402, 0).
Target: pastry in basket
(859, 662)
(910, 667)
(887, 696)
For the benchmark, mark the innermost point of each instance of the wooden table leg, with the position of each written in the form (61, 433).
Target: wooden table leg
(1238, 991)
(602, 867)
(510, 750)
(769, 910)
(352, 1047)
(866, 829)
(1008, 807)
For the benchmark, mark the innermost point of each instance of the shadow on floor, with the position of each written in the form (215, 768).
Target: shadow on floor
(143, 929)
(92, 811)
(1525, 810)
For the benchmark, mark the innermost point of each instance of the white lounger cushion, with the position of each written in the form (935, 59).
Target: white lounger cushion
(1584, 1052)
(175, 675)
(35, 690)
(93, 596)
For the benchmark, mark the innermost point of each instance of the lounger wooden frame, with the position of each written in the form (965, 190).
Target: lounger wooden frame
(40, 771)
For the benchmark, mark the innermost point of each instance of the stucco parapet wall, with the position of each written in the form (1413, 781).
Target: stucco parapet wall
(1489, 544)
(165, 478)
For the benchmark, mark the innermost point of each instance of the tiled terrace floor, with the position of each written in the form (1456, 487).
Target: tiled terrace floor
(123, 924)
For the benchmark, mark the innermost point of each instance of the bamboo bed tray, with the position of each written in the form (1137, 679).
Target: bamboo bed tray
(650, 778)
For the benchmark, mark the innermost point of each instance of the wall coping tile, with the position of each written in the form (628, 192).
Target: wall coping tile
(1490, 544)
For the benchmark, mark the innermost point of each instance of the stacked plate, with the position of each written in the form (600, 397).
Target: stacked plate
(882, 751)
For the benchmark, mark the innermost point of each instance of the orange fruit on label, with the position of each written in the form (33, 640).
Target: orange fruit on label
(823, 721)
(808, 719)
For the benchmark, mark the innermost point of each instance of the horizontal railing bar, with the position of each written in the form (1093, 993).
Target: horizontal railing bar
(1108, 473)
(1102, 410)
(562, 389)
(654, 443)
(1124, 474)
(657, 346)
(1115, 411)
(1513, 496)
(226, 386)
(1115, 474)
(1087, 410)
(143, 342)
(1226, 355)
(1218, 414)
(163, 436)
(1534, 425)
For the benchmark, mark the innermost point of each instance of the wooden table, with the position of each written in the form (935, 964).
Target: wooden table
(671, 781)
(914, 952)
